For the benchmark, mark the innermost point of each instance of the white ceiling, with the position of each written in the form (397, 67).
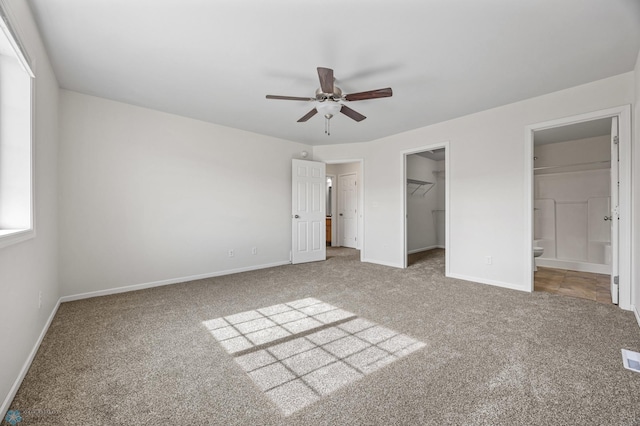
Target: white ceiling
(215, 60)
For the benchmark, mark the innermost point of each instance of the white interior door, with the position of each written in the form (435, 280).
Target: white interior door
(615, 212)
(308, 211)
(348, 210)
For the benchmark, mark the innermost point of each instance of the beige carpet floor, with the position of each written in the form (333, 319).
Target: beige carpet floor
(334, 343)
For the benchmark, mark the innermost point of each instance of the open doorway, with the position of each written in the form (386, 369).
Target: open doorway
(331, 203)
(425, 205)
(572, 236)
(579, 205)
(345, 219)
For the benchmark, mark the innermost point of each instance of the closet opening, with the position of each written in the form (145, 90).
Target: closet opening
(425, 205)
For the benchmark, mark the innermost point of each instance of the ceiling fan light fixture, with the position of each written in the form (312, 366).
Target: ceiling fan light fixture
(328, 108)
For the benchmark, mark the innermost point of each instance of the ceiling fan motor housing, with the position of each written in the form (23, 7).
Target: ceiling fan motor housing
(336, 95)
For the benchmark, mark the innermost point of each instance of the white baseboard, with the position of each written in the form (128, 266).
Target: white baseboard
(398, 265)
(502, 284)
(594, 268)
(143, 286)
(636, 313)
(27, 364)
(423, 249)
(383, 263)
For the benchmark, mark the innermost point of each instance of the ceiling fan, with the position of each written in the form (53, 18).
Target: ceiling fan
(330, 100)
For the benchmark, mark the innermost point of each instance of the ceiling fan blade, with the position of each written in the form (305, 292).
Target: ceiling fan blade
(326, 79)
(289, 98)
(308, 115)
(351, 113)
(371, 94)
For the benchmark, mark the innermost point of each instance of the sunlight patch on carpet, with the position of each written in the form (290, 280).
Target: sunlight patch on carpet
(299, 351)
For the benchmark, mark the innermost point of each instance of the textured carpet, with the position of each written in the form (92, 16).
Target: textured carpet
(486, 355)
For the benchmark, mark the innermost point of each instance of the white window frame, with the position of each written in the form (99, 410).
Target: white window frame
(13, 236)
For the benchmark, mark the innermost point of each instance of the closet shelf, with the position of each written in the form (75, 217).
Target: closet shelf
(420, 184)
(578, 167)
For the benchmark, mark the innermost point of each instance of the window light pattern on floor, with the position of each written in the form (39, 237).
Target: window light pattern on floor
(299, 351)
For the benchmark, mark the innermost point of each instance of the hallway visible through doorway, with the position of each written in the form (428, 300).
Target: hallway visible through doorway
(344, 204)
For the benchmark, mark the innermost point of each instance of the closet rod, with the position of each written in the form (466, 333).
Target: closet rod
(572, 165)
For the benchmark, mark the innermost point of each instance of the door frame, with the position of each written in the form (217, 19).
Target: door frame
(624, 142)
(334, 205)
(447, 210)
(340, 235)
(361, 190)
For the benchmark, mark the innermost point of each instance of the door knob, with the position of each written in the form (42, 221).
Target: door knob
(297, 216)
(607, 218)
(340, 214)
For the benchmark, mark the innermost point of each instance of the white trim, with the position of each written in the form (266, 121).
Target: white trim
(13, 236)
(419, 250)
(501, 284)
(9, 237)
(334, 202)
(529, 262)
(13, 33)
(340, 230)
(384, 263)
(447, 209)
(32, 156)
(27, 364)
(143, 286)
(624, 123)
(637, 314)
(574, 265)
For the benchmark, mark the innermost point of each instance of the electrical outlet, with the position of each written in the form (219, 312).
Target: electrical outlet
(231, 254)
(489, 260)
(254, 250)
(39, 299)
